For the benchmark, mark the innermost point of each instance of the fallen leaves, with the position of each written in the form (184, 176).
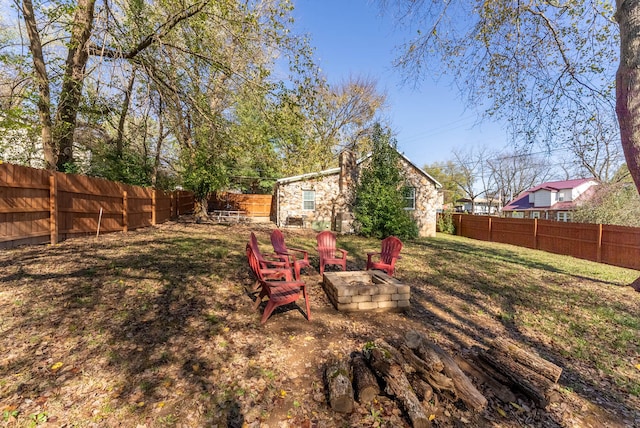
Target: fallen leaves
(57, 366)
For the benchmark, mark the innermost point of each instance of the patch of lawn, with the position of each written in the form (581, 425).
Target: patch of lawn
(161, 322)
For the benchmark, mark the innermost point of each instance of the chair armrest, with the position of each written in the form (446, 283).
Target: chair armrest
(298, 250)
(344, 253)
(284, 255)
(275, 263)
(370, 256)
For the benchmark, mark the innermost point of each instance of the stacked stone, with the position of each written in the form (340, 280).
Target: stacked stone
(384, 293)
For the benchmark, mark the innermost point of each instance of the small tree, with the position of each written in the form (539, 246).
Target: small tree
(379, 203)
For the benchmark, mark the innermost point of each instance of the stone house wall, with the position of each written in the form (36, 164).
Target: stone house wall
(334, 192)
(290, 203)
(427, 200)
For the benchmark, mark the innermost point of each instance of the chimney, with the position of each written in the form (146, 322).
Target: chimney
(348, 171)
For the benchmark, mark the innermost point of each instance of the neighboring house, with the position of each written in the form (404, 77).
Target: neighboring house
(323, 200)
(554, 200)
(479, 206)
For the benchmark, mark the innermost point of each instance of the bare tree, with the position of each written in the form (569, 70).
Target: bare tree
(516, 172)
(470, 164)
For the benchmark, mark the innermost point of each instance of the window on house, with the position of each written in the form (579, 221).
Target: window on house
(560, 196)
(535, 214)
(562, 216)
(410, 198)
(308, 200)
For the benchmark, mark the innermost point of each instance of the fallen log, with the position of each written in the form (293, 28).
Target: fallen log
(364, 381)
(381, 358)
(436, 379)
(465, 390)
(532, 361)
(534, 385)
(500, 390)
(417, 343)
(338, 382)
(423, 390)
(474, 356)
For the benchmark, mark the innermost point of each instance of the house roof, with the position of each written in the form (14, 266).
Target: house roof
(336, 170)
(521, 202)
(560, 185)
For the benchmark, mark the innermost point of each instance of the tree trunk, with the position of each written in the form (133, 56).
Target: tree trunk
(628, 84)
(628, 88)
(123, 115)
(71, 91)
(44, 98)
(200, 209)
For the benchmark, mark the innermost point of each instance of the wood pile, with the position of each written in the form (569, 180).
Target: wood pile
(420, 377)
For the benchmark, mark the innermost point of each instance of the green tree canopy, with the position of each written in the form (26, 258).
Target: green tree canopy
(449, 175)
(379, 199)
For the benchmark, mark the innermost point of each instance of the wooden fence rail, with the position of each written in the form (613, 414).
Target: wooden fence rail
(614, 245)
(38, 206)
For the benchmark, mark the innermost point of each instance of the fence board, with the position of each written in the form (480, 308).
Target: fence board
(476, 227)
(573, 239)
(520, 232)
(621, 246)
(614, 245)
(38, 206)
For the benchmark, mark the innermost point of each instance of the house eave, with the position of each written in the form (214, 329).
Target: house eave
(423, 172)
(308, 176)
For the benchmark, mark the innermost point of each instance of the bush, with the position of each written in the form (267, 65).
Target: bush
(445, 223)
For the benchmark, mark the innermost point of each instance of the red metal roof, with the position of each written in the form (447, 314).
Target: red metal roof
(521, 202)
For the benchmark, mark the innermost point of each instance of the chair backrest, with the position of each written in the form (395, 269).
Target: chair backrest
(252, 258)
(253, 243)
(391, 247)
(326, 244)
(277, 240)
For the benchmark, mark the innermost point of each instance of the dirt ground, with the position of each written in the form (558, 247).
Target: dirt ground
(156, 328)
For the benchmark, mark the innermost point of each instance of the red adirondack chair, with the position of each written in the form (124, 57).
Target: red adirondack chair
(280, 248)
(279, 292)
(327, 250)
(387, 257)
(273, 267)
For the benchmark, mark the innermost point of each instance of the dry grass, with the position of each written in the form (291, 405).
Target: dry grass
(155, 328)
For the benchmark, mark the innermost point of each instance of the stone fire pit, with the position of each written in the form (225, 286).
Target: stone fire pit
(365, 291)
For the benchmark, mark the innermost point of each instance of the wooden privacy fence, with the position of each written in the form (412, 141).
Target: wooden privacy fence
(38, 206)
(253, 205)
(614, 245)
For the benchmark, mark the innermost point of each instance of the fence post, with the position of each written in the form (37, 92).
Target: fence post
(53, 209)
(153, 207)
(459, 228)
(490, 240)
(178, 203)
(535, 233)
(125, 214)
(599, 254)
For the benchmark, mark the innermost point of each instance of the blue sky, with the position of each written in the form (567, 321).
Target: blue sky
(351, 37)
